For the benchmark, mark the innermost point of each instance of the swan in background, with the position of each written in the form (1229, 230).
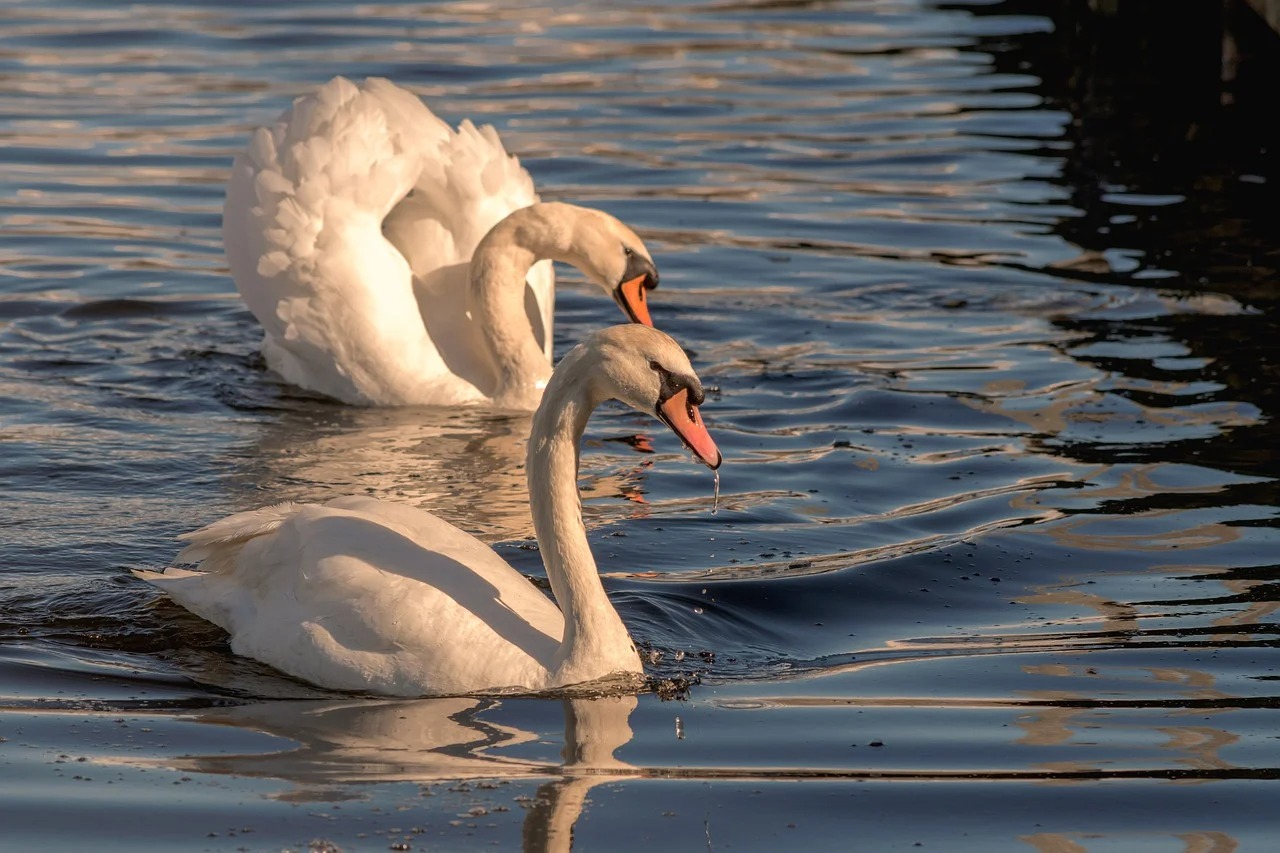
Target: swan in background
(361, 594)
(386, 254)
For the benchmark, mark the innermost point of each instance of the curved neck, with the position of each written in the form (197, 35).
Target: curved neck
(595, 641)
(497, 292)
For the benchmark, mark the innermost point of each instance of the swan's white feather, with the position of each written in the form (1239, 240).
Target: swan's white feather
(355, 594)
(349, 225)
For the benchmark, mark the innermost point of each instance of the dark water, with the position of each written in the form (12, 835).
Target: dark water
(987, 298)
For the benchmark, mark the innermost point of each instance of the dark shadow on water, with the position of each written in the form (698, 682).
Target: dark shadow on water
(1171, 168)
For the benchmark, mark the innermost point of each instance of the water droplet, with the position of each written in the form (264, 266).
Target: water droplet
(715, 500)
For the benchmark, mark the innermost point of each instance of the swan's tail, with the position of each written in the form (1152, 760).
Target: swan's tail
(234, 530)
(212, 591)
(216, 546)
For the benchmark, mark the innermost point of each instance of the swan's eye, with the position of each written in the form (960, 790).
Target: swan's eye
(628, 251)
(655, 366)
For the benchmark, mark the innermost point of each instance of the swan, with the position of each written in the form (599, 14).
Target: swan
(385, 254)
(366, 595)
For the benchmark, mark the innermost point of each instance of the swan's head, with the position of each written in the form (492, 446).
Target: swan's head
(615, 259)
(647, 370)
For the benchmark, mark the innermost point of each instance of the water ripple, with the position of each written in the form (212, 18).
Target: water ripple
(1001, 463)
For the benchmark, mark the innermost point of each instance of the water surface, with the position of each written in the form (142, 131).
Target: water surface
(988, 321)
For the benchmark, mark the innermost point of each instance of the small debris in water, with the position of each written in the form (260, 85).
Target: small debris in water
(679, 729)
(320, 845)
(676, 687)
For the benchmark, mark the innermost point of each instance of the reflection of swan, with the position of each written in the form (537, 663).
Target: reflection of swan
(385, 253)
(465, 465)
(362, 595)
(428, 740)
(394, 740)
(593, 730)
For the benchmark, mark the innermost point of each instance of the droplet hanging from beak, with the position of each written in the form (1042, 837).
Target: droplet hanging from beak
(715, 499)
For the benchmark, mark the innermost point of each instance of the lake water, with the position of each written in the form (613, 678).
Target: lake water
(988, 306)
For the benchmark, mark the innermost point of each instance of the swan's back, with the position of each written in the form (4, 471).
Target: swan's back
(349, 226)
(361, 594)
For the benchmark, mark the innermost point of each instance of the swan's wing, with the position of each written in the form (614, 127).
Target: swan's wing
(302, 228)
(468, 183)
(360, 594)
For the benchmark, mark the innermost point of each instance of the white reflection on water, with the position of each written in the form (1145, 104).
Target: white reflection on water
(340, 744)
(467, 466)
(422, 740)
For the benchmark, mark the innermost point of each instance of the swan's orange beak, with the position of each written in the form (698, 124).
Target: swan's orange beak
(632, 296)
(686, 421)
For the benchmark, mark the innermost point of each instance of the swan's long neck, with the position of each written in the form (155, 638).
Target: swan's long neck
(498, 269)
(595, 642)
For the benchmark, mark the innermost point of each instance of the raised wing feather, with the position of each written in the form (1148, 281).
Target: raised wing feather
(468, 186)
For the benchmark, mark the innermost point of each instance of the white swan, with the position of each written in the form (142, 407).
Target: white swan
(385, 254)
(359, 594)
